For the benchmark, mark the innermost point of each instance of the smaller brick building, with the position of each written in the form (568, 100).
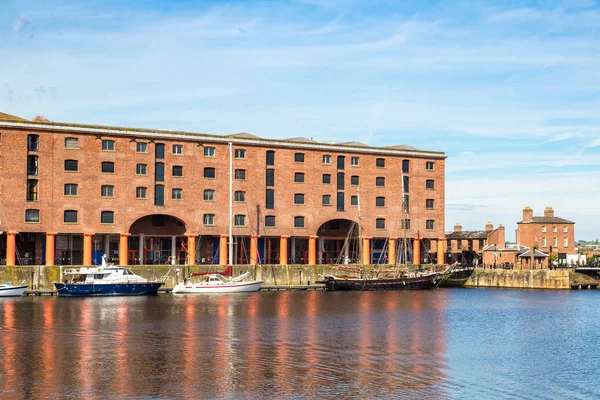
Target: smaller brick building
(466, 247)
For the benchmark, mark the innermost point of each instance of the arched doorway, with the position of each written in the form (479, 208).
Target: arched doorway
(338, 242)
(157, 239)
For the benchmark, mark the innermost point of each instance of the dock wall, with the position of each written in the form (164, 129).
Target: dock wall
(521, 279)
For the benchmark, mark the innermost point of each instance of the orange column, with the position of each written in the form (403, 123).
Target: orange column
(392, 251)
(50, 236)
(312, 250)
(191, 250)
(11, 247)
(253, 250)
(123, 249)
(440, 251)
(417, 251)
(283, 242)
(223, 250)
(366, 251)
(87, 248)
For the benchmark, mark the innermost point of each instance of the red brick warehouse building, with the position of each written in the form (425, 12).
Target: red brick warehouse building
(70, 193)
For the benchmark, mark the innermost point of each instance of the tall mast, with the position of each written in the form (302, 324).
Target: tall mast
(230, 250)
(360, 244)
(403, 222)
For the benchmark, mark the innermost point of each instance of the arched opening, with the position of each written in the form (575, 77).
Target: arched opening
(157, 239)
(339, 242)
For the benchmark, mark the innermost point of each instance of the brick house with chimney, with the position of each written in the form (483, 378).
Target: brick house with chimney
(465, 247)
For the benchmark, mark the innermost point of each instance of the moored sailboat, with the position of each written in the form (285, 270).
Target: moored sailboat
(9, 290)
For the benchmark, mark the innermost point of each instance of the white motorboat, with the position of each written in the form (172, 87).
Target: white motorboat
(9, 290)
(218, 283)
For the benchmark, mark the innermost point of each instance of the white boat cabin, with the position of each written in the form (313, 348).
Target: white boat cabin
(104, 275)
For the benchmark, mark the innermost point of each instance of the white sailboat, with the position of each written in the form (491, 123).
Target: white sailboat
(223, 282)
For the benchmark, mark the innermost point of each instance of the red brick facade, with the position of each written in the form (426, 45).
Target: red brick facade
(545, 232)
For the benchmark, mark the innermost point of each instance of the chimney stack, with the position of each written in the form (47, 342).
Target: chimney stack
(527, 214)
(457, 227)
(489, 226)
(548, 212)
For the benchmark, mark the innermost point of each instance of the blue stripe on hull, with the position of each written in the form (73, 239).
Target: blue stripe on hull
(117, 289)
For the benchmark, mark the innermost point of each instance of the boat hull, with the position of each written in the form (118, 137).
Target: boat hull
(234, 287)
(354, 284)
(12, 291)
(108, 289)
(457, 278)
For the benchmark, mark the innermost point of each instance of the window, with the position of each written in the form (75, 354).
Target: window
(340, 162)
(544, 229)
(209, 172)
(340, 181)
(299, 177)
(429, 224)
(70, 216)
(565, 229)
(430, 184)
(159, 195)
(159, 172)
(108, 145)
(429, 204)
(555, 242)
(71, 165)
(32, 165)
(340, 201)
(107, 191)
(299, 198)
(107, 217)
(406, 204)
(32, 190)
(470, 244)
(177, 194)
(33, 142)
(566, 242)
(32, 215)
(480, 243)
(326, 200)
(380, 181)
(209, 219)
(108, 167)
(353, 200)
(354, 180)
(141, 147)
(299, 157)
(554, 229)
(177, 170)
(380, 202)
(355, 161)
(270, 177)
(71, 143)
(449, 245)
(240, 174)
(380, 162)
(327, 179)
(209, 151)
(270, 157)
(270, 220)
(270, 199)
(140, 192)
(429, 165)
(240, 220)
(70, 189)
(405, 166)
(326, 159)
(405, 184)
(160, 150)
(543, 242)
(240, 153)
(141, 169)
(209, 195)
(459, 245)
(380, 223)
(406, 224)
(298, 222)
(177, 149)
(239, 195)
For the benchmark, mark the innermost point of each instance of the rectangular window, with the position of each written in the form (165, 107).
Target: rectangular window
(555, 242)
(354, 161)
(326, 200)
(481, 244)
(177, 170)
(209, 195)
(340, 201)
(340, 162)
(240, 220)
(141, 147)
(544, 242)
(159, 195)
(470, 244)
(70, 189)
(298, 177)
(459, 245)
(565, 229)
(32, 215)
(299, 157)
(107, 191)
(380, 181)
(32, 165)
(380, 162)
(71, 143)
(239, 196)
(209, 219)
(108, 145)
(449, 245)
(270, 157)
(406, 224)
(298, 222)
(33, 142)
(429, 204)
(430, 184)
(177, 149)
(380, 202)
(32, 190)
(406, 204)
(270, 220)
(429, 224)
(160, 150)
(353, 200)
(354, 180)
(108, 167)
(554, 229)
(270, 199)
(270, 177)
(566, 242)
(340, 180)
(141, 169)
(405, 184)
(299, 198)
(544, 229)
(380, 223)
(429, 165)
(159, 172)
(177, 194)
(209, 151)
(140, 192)
(70, 216)
(209, 172)
(326, 159)
(71, 165)
(107, 217)
(240, 153)
(240, 174)
(405, 166)
(327, 179)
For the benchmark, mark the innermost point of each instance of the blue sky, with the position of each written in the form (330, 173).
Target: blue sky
(509, 90)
